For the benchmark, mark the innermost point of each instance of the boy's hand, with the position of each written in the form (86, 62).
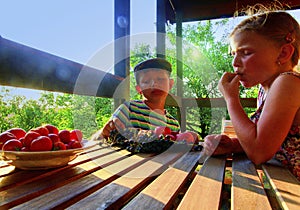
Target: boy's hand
(104, 133)
(107, 128)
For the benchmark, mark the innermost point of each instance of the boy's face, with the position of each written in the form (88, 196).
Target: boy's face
(154, 84)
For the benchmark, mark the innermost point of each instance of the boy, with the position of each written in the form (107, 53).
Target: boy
(153, 83)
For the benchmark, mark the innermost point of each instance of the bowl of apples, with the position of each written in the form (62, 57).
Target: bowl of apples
(44, 147)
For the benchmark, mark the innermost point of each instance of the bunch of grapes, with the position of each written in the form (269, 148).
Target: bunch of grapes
(138, 141)
(144, 141)
(153, 145)
(120, 140)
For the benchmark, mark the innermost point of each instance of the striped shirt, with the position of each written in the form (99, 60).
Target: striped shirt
(137, 114)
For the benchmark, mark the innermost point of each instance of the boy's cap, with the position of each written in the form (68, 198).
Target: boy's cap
(156, 63)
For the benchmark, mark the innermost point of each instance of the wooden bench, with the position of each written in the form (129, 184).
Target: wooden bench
(107, 178)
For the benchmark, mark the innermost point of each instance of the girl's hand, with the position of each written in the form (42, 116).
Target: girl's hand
(229, 85)
(218, 144)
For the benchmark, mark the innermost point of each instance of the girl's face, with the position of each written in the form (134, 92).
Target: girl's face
(254, 58)
(154, 84)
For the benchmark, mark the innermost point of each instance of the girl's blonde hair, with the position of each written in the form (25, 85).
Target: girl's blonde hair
(278, 26)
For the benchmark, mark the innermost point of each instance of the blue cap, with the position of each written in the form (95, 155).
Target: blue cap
(155, 63)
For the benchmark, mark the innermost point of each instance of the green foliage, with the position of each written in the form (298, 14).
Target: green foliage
(66, 111)
(141, 53)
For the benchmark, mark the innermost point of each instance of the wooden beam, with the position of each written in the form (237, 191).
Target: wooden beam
(26, 67)
(206, 102)
(208, 9)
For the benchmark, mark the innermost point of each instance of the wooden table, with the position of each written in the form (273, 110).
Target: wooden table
(111, 178)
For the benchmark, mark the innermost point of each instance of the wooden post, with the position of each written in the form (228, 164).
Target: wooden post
(122, 47)
(160, 29)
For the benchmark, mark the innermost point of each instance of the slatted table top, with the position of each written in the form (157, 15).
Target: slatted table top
(100, 178)
(112, 178)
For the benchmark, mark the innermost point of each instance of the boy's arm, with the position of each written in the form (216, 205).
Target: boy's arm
(113, 123)
(104, 132)
(107, 128)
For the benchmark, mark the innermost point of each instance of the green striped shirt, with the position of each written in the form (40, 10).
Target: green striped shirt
(137, 114)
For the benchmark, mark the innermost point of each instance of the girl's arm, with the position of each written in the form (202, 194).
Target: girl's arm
(261, 141)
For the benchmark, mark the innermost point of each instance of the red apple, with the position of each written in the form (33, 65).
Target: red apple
(22, 140)
(12, 145)
(41, 130)
(5, 136)
(59, 146)
(25, 149)
(76, 134)
(52, 128)
(64, 136)
(174, 133)
(162, 130)
(54, 137)
(41, 143)
(18, 132)
(185, 136)
(31, 135)
(74, 144)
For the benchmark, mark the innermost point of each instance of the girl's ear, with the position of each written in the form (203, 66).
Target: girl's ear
(286, 53)
(138, 89)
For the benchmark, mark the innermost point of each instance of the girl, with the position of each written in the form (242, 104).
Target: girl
(265, 49)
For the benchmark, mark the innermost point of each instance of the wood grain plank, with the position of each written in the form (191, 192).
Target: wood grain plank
(6, 170)
(205, 190)
(154, 196)
(247, 190)
(284, 184)
(188, 161)
(23, 193)
(70, 193)
(161, 192)
(21, 177)
(53, 179)
(119, 191)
